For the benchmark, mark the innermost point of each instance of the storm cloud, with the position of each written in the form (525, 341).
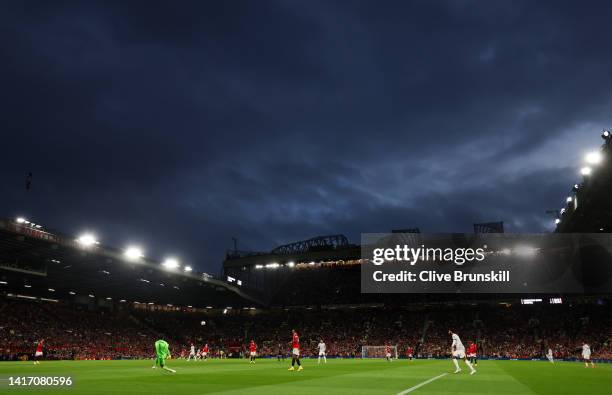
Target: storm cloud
(179, 125)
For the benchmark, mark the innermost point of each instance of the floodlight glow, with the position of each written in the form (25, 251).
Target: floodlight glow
(291, 264)
(258, 266)
(188, 268)
(20, 220)
(91, 296)
(72, 293)
(605, 134)
(51, 290)
(557, 221)
(133, 253)
(506, 251)
(87, 240)
(27, 286)
(311, 263)
(569, 199)
(527, 251)
(171, 263)
(273, 265)
(576, 187)
(593, 158)
(586, 171)
(562, 211)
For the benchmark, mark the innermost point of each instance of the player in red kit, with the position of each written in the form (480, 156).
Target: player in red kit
(295, 351)
(252, 351)
(205, 352)
(39, 351)
(388, 352)
(409, 353)
(471, 353)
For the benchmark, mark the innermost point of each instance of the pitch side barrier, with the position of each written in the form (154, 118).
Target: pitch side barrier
(487, 263)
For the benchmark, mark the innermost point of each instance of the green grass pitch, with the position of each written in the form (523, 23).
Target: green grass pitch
(338, 376)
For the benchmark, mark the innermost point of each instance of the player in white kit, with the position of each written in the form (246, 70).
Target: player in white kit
(192, 353)
(458, 351)
(586, 355)
(549, 355)
(322, 348)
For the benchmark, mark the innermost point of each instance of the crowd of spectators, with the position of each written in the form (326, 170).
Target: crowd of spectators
(501, 331)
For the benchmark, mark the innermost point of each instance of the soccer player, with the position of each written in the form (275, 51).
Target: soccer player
(162, 352)
(192, 353)
(471, 353)
(549, 355)
(388, 352)
(295, 351)
(39, 351)
(321, 348)
(458, 351)
(205, 352)
(586, 355)
(252, 351)
(410, 353)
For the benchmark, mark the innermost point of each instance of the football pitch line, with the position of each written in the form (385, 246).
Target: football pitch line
(404, 392)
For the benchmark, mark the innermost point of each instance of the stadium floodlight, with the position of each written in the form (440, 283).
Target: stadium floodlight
(87, 240)
(171, 263)
(557, 221)
(27, 286)
(133, 253)
(109, 298)
(311, 263)
(188, 268)
(122, 301)
(569, 199)
(562, 211)
(258, 266)
(527, 251)
(72, 293)
(575, 188)
(272, 265)
(3, 282)
(593, 158)
(91, 296)
(586, 171)
(20, 220)
(605, 134)
(51, 290)
(209, 307)
(291, 264)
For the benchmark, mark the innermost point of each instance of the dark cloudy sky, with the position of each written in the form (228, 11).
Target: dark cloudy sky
(178, 125)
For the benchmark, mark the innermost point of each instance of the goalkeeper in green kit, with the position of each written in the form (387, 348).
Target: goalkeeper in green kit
(162, 352)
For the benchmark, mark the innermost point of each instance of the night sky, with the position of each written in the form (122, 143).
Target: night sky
(178, 125)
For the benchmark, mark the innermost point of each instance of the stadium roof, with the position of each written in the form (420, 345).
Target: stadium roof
(35, 262)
